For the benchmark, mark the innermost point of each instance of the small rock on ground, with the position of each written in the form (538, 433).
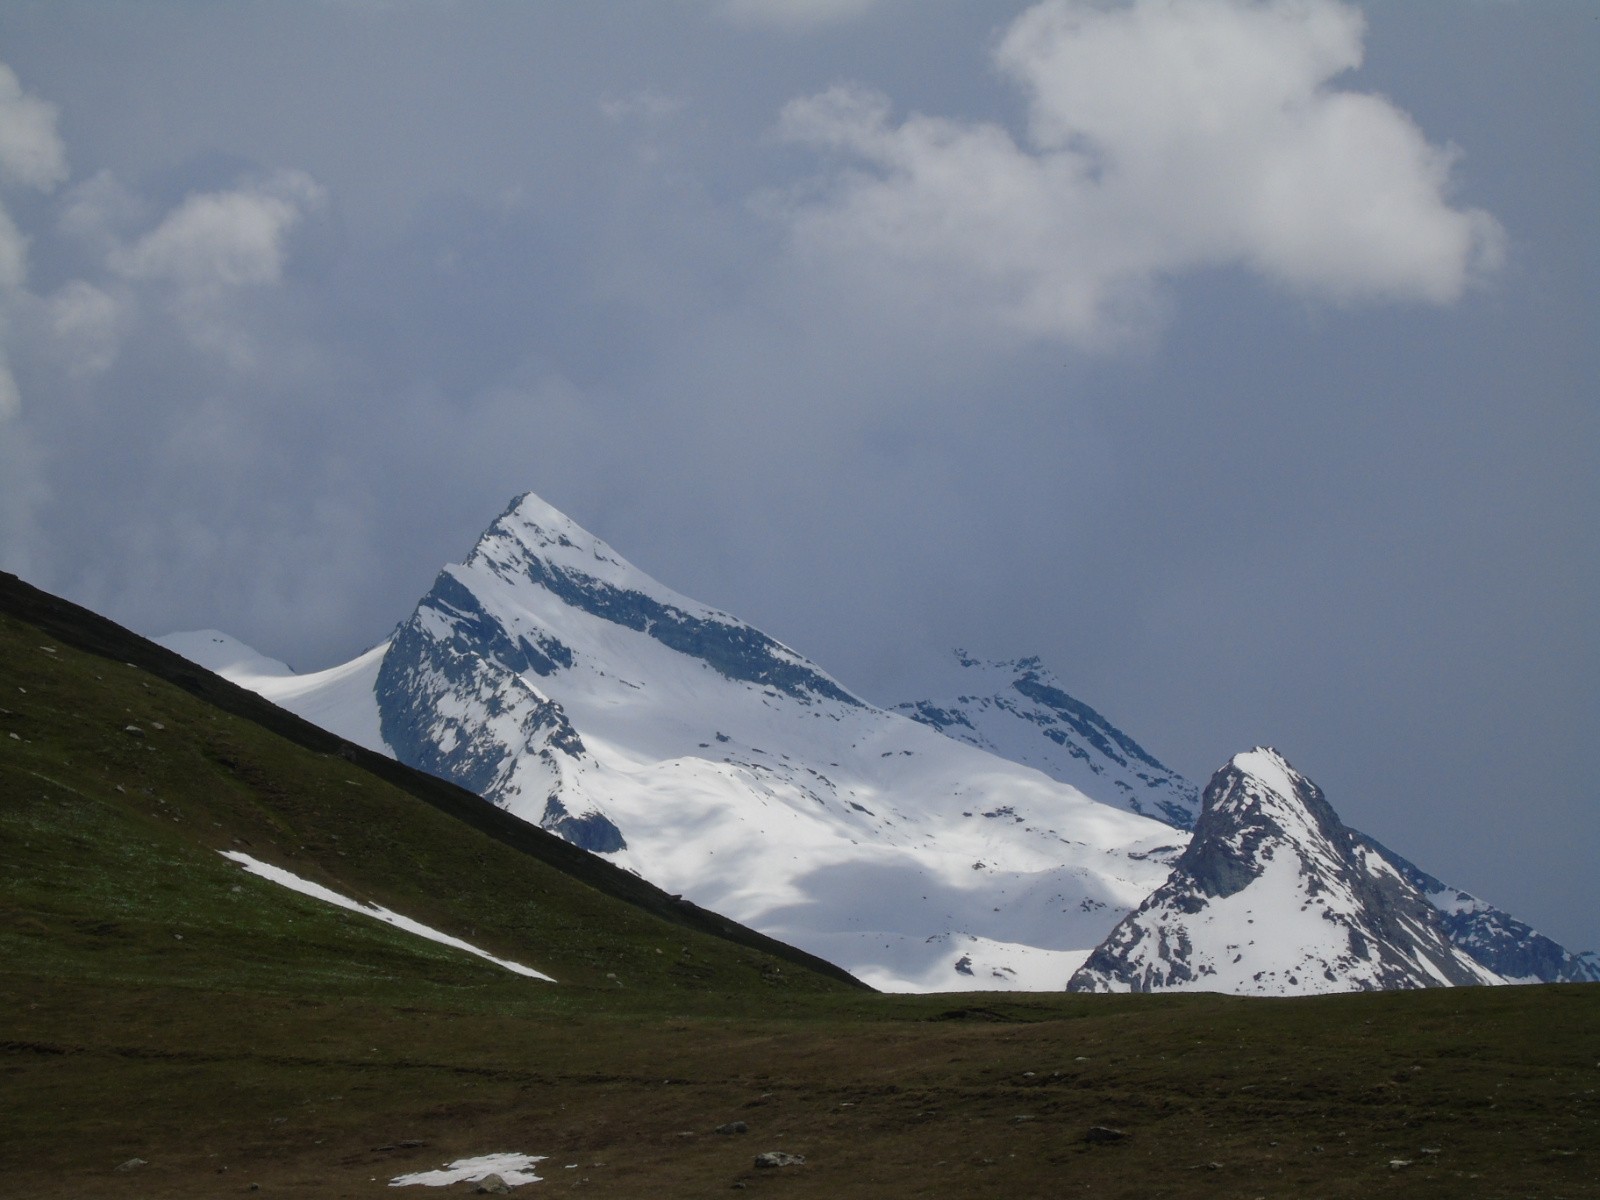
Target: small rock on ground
(1103, 1133)
(777, 1158)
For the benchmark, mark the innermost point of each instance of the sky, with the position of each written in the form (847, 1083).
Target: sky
(1239, 358)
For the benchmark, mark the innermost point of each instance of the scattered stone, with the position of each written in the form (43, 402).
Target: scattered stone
(1023, 1119)
(133, 731)
(492, 1185)
(733, 1127)
(1103, 1133)
(1399, 1164)
(1430, 1150)
(133, 1164)
(778, 1158)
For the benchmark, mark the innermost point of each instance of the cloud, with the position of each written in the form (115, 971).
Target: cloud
(649, 107)
(795, 14)
(31, 154)
(13, 258)
(224, 239)
(100, 213)
(1162, 138)
(209, 254)
(10, 397)
(86, 325)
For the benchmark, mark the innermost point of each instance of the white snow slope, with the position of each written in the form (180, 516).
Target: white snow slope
(340, 699)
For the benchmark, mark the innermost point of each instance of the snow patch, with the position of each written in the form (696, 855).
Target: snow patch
(515, 1169)
(317, 892)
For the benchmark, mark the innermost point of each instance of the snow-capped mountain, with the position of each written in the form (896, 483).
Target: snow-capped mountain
(1275, 896)
(565, 685)
(1018, 710)
(992, 839)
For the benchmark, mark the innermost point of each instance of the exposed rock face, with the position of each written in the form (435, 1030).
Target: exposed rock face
(1275, 896)
(1018, 710)
(1494, 939)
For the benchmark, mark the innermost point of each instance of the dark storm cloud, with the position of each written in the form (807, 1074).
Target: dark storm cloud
(789, 301)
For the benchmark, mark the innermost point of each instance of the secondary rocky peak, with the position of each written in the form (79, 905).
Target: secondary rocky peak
(1275, 895)
(1016, 708)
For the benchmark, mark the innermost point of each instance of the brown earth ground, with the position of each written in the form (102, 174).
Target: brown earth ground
(1480, 1093)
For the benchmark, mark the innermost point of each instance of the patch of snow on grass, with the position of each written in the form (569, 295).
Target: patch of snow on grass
(317, 892)
(515, 1169)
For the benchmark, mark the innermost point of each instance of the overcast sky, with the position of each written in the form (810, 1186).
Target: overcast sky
(1241, 359)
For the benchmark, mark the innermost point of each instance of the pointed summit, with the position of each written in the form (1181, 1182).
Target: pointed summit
(1275, 896)
(532, 543)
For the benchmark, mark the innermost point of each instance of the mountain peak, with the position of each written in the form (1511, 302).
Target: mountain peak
(532, 528)
(1271, 768)
(1275, 896)
(224, 654)
(1016, 708)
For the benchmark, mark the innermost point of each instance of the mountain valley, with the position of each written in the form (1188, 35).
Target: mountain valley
(172, 1026)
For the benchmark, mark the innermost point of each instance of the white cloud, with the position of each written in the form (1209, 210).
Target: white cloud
(101, 212)
(649, 107)
(210, 253)
(1163, 137)
(87, 324)
(224, 239)
(31, 154)
(795, 14)
(13, 257)
(10, 398)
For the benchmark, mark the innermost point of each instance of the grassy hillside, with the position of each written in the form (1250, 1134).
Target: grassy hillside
(156, 1002)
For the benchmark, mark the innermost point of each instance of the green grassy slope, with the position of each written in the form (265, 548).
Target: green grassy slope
(77, 628)
(157, 1002)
